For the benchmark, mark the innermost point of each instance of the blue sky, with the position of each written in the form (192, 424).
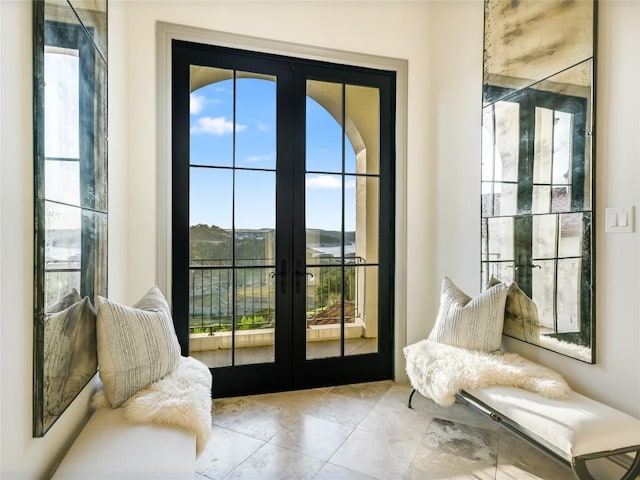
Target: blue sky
(211, 138)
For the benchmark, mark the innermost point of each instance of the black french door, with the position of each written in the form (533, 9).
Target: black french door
(282, 222)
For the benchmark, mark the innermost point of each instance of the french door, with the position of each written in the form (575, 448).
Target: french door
(282, 219)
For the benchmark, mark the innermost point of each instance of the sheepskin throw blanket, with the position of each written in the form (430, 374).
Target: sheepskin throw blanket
(180, 399)
(439, 371)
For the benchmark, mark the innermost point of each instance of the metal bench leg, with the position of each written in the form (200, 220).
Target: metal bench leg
(579, 466)
(413, 391)
(634, 470)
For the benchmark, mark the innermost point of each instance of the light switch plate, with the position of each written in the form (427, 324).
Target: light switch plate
(620, 219)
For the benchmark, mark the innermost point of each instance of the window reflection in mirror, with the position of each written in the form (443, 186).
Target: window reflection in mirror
(70, 207)
(537, 177)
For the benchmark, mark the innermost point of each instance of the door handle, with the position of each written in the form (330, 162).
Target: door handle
(282, 274)
(300, 275)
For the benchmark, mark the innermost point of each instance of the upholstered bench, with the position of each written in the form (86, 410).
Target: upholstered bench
(574, 429)
(156, 434)
(462, 358)
(111, 447)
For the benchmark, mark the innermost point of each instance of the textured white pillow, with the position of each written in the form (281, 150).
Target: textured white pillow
(472, 323)
(136, 345)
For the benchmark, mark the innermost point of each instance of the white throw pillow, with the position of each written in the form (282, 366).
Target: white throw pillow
(472, 323)
(136, 345)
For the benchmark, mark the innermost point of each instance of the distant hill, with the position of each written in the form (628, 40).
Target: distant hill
(325, 238)
(209, 242)
(213, 233)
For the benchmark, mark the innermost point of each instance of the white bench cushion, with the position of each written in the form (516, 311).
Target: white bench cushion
(110, 447)
(576, 425)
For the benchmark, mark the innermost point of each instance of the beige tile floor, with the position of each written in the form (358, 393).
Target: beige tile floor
(363, 432)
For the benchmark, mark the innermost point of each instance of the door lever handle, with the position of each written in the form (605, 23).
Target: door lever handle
(282, 273)
(300, 274)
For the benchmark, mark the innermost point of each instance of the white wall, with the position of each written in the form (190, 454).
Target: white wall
(21, 455)
(443, 43)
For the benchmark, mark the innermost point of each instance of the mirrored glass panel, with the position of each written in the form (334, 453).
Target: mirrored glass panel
(70, 201)
(528, 41)
(93, 15)
(537, 156)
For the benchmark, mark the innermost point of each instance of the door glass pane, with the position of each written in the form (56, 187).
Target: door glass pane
(323, 213)
(210, 214)
(212, 116)
(254, 316)
(324, 311)
(256, 121)
(324, 126)
(362, 109)
(361, 219)
(210, 314)
(361, 310)
(255, 217)
(342, 220)
(232, 216)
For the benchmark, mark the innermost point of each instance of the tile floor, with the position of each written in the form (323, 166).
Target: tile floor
(362, 432)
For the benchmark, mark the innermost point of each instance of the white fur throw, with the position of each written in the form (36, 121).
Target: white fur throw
(181, 399)
(439, 371)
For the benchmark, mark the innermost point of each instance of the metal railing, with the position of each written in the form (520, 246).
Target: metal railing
(218, 293)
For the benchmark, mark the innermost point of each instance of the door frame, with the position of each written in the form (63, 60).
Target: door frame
(165, 34)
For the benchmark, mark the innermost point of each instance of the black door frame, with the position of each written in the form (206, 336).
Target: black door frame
(290, 369)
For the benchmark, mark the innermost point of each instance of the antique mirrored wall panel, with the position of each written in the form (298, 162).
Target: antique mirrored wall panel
(70, 198)
(537, 169)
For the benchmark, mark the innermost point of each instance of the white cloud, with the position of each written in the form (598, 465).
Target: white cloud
(216, 126)
(329, 182)
(196, 104)
(260, 158)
